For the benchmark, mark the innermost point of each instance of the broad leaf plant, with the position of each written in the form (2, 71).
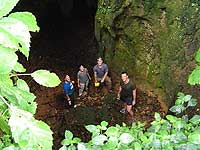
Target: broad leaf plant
(19, 130)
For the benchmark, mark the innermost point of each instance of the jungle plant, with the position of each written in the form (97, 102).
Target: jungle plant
(182, 103)
(172, 133)
(19, 130)
(194, 77)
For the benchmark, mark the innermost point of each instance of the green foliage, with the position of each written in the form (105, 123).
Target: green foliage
(19, 130)
(6, 6)
(182, 103)
(45, 78)
(172, 133)
(28, 132)
(194, 76)
(69, 141)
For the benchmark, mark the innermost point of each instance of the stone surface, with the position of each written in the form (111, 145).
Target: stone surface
(155, 41)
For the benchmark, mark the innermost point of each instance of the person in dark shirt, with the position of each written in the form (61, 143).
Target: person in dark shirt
(68, 87)
(101, 74)
(127, 93)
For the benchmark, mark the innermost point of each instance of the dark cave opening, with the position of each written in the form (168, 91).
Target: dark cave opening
(66, 30)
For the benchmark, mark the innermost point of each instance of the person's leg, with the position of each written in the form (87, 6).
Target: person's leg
(108, 82)
(86, 85)
(123, 110)
(129, 110)
(129, 106)
(72, 100)
(81, 88)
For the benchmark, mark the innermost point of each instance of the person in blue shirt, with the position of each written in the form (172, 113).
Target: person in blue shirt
(68, 87)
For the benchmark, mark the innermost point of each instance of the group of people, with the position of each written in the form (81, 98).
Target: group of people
(126, 92)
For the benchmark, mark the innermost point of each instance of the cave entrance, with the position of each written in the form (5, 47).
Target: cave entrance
(65, 41)
(67, 32)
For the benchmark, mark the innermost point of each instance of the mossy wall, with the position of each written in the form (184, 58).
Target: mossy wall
(154, 40)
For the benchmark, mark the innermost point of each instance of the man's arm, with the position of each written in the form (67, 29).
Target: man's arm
(118, 93)
(88, 74)
(106, 72)
(134, 96)
(95, 77)
(78, 82)
(105, 75)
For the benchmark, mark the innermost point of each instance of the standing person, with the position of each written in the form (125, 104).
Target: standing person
(83, 78)
(101, 74)
(127, 93)
(69, 90)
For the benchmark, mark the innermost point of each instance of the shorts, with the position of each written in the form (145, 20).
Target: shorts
(128, 100)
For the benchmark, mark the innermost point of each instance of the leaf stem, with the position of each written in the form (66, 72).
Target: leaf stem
(5, 101)
(26, 74)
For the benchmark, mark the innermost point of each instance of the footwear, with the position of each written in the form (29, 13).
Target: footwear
(70, 103)
(123, 111)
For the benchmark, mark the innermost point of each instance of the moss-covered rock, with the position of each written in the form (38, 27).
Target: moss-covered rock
(154, 40)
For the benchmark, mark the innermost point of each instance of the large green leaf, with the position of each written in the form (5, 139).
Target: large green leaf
(195, 119)
(177, 109)
(5, 80)
(27, 18)
(126, 138)
(197, 57)
(8, 60)
(137, 146)
(68, 135)
(157, 116)
(8, 40)
(91, 128)
(81, 146)
(20, 98)
(19, 31)
(171, 118)
(187, 146)
(21, 84)
(19, 68)
(46, 78)
(4, 125)
(194, 77)
(192, 102)
(29, 133)
(112, 132)
(104, 123)
(99, 140)
(194, 138)
(66, 142)
(6, 6)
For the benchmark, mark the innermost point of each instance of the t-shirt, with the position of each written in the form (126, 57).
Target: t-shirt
(68, 88)
(127, 89)
(100, 71)
(82, 76)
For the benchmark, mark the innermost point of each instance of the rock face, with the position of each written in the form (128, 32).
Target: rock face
(154, 40)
